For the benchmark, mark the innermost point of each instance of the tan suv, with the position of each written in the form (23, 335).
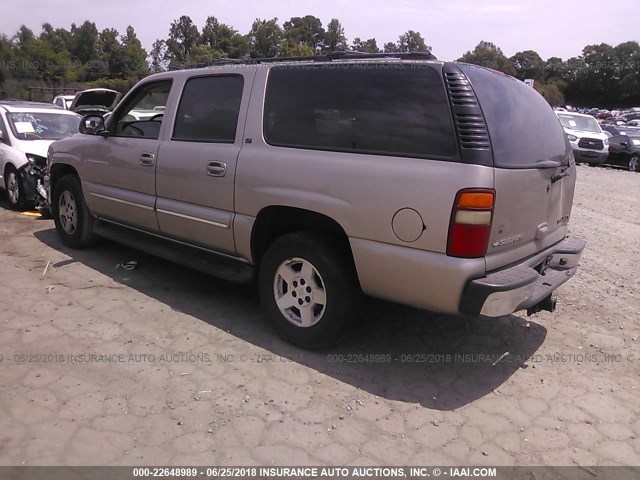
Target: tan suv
(440, 185)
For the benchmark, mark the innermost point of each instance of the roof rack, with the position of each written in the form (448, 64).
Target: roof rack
(326, 57)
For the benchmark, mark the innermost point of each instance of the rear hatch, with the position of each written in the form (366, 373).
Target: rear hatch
(534, 170)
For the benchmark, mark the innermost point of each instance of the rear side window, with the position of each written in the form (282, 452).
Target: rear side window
(383, 109)
(523, 128)
(209, 109)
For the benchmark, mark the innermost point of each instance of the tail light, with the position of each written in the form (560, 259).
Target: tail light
(470, 224)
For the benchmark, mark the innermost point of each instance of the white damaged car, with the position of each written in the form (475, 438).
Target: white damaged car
(26, 131)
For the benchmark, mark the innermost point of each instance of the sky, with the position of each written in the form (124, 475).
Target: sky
(553, 28)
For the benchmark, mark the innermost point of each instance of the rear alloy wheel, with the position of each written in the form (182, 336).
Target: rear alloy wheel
(73, 220)
(634, 164)
(309, 289)
(15, 190)
(299, 292)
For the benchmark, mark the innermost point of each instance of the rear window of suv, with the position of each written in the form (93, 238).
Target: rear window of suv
(384, 109)
(524, 130)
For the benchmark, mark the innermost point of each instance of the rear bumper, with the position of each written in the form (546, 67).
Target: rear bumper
(525, 285)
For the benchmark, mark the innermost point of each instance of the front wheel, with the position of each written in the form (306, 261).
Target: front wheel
(634, 164)
(309, 289)
(73, 220)
(15, 189)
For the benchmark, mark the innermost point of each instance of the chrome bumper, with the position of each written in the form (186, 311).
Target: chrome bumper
(524, 285)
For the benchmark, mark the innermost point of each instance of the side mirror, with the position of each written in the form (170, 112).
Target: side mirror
(624, 144)
(91, 125)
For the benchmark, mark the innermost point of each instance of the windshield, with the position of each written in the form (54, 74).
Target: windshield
(588, 124)
(42, 126)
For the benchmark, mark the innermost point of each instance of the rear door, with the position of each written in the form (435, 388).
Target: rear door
(534, 170)
(197, 165)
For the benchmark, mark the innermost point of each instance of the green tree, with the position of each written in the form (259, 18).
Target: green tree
(528, 64)
(412, 42)
(334, 38)
(36, 58)
(489, 55)
(292, 49)
(8, 62)
(572, 68)
(597, 80)
(551, 93)
(84, 42)
(202, 54)
(305, 31)
(158, 55)
(112, 58)
(264, 38)
(183, 36)
(136, 56)
(554, 69)
(58, 40)
(369, 46)
(628, 54)
(223, 39)
(391, 47)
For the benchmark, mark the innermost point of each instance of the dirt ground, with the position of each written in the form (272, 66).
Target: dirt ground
(162, 365)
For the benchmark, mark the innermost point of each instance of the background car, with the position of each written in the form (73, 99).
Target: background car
(624, 151)
(588, 141)
(26, 131)
(614, 121)
(63, 101)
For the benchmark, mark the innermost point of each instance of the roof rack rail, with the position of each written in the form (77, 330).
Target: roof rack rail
(326, 57)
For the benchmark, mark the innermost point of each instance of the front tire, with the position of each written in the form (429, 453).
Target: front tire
(73, 220)
(15, 189)
(309, 289)
(634, 164)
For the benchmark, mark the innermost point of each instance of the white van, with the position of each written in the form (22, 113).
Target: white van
(589, 143)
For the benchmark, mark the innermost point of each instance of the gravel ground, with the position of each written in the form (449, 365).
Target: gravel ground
(194, 377)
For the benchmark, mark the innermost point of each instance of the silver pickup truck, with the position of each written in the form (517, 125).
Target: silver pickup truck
(440, 185)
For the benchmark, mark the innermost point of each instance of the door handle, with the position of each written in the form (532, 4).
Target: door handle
(147, 159)
(216, 169)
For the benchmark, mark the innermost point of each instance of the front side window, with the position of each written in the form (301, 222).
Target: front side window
(42, 126)
(384, 109)
(143, 113)
(209, 109)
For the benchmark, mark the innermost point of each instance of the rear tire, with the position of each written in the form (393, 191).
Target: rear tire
(634, 164)
(309, 289)
(73, 220)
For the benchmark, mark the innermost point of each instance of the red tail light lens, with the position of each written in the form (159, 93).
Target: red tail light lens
(470, 224)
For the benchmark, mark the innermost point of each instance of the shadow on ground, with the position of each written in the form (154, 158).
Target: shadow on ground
(442, 362)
